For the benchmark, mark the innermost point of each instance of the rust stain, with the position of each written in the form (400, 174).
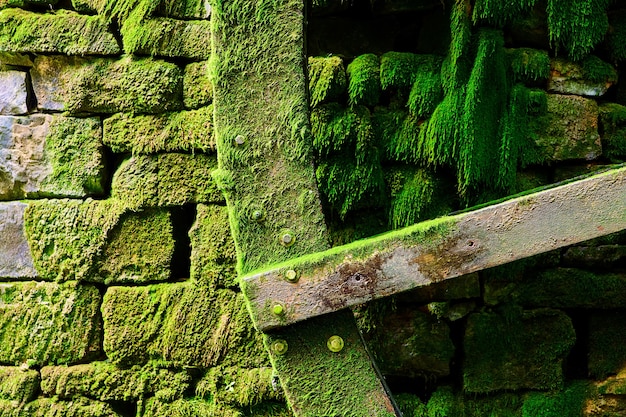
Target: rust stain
(450, 257)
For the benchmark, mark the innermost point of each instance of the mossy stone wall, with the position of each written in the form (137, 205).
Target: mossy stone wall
(118, 271)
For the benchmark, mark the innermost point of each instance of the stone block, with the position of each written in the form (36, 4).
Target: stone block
(18, 384)
(13, 92)
(166, 180)
(16, 261)
(607, 351)
(100, 85)
(197, 87)
(213, 254)
(185, 131)
(239, 387)
(99, 241)
(164, 37)
(180, 323)
(139, 249)
(192, 407)
(575, 399)
(613, 127)
(50, 407)
(50, 156)
(106, 382)
(465, 286)
(569, 130)
(409, 343)
(61, 32)
(598, 258)
(14, 59)
(591, 78)
(46, 323)
(516, 350)
(605, 406)
(560, 288)
(187, 9)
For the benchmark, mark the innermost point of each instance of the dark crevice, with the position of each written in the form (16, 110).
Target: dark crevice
(576, 365)
(183, 218)
(124, 408)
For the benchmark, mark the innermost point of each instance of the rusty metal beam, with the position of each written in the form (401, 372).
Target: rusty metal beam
(436, 250)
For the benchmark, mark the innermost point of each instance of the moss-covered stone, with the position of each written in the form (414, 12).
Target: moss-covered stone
(569, 130)
(598, 257)
(239, 387)
(327, 79)
(22, 3)
(16, 261)
(19, 385)
(106, 382)
(46, 323)
(571, 401)
(197, 87)
(62, 32)
(185, 131)
(166, 180)
(166, 37)
(183, 323)
(67, 236)
(50, 407)
(139, 249)
(516, 350)
(607, 352)
(560, 288)
(463, 287)
(188, 407)
(79, 85)
(50, 156)
(613, 127)
(410, 343)
(15, 59)
(213, 254)
(592, 77)
(186, 9)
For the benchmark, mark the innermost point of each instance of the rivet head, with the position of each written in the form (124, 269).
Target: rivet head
(258, 215)
(287, 238)
(240, 140)
(335, 344)
(291, 275)
(278, 310)
(280, 347)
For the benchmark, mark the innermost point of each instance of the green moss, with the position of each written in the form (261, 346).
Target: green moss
(62, 32)
(185, 9)
(607, 355)
(528, 64)
(213, 255)
(499, 13)
(516, 349)
(48, 323)
(568, 402)
(416, 195)
(106, 382)
(612, 123)
(162, 180)
(399, 69)
(327, 79)
(336, 128)
(139, 249)
(167, 37)
(364, 80)
(183, 324)
(239, 387)
(67, 236)
(261, 97)
(577, 26)
(81, 86)
(443, 403)
(411, 405)
(18, 385)
(197, 87)
(598, 71)
(188, 407)
(185, 131)
(426, 93)
(78, 407)
(74, 149)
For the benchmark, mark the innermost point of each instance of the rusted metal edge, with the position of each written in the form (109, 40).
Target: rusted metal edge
(436, 250)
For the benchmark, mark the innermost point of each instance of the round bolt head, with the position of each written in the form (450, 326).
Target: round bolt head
(335, 344)
(287, 239)
(280, 347)
(278, 310)
(291, 275)
(258, 215)
(240, 140)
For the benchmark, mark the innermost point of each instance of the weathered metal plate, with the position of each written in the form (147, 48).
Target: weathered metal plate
(319, 382)
(440, 249)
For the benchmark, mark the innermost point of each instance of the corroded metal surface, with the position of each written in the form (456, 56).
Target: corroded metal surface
(441, 249)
